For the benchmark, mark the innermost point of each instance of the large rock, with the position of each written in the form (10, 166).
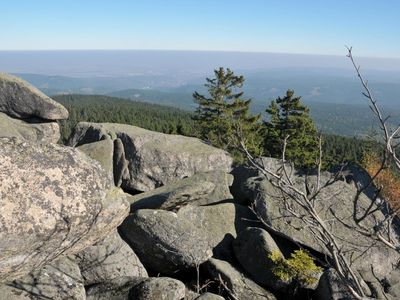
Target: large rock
(58, 280)
(21, 100)
(237, 283)
(31, 130)
(53, 200)
(167, 242)
(154, 159)
(102, 151)
(252, 248)
(199, 189)
(335, 204)
(221, 224)
(109, 259)
(164, 242)
(158, 288)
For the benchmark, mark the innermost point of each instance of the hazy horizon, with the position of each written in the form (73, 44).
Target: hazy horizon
(86, 63)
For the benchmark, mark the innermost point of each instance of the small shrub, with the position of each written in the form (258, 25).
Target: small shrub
(300, 267)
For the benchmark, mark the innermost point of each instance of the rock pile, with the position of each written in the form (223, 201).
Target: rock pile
(70, 230)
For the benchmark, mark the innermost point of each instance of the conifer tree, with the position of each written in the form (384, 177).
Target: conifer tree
(223, 115)
(289, 117)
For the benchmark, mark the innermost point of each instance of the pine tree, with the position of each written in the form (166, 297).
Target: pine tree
(223, 116)
(289, 117)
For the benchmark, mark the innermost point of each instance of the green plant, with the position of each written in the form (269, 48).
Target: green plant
(300, 267)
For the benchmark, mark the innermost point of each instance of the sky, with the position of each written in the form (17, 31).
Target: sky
(312, 27)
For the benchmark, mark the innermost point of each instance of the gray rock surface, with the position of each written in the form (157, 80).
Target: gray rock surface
(158, 288)
(238, 284)
(209, 296)
(53, 200)
(334, 203)
(19, 99)
(58, 280)
(221, 224)
(252, 248)
(34, 131)
(109, 259)
(199, 189)
(164, 242)
(103, 152)
(155, 159)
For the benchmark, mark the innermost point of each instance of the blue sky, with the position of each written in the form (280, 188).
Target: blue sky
(315, 27)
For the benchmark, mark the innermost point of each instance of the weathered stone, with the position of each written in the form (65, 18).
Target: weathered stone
(58, 280)
(199, 189)
(158, 288)
(164, 242)
(155, 159)
(114, 289)
(21, 100)
(238, 284)
(335, 203)
(101, 151)
(109, 259)
(53, 200)
(48, 132)
(252, 248)
(221, 224)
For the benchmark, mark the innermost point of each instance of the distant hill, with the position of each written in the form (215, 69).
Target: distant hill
(333, 96)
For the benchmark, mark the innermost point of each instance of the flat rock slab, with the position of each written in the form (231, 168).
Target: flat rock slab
(53, 200)
(153, 159)
(48, 132)
(21, 100)
(199, 189)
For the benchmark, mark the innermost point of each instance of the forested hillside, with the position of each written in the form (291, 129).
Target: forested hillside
(100, 109)
(95, 108)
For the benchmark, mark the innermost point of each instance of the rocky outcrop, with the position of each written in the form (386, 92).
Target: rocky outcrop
(154, 159)
(109, 259)
(21, 100)
(54, 200)
(334, 203)
(58, 280)
(199, 189)
(237, 283)
(252, 248)
(32, 130)
(164, 242)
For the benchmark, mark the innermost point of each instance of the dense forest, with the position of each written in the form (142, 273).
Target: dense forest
(102, 109)
(94, 108)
